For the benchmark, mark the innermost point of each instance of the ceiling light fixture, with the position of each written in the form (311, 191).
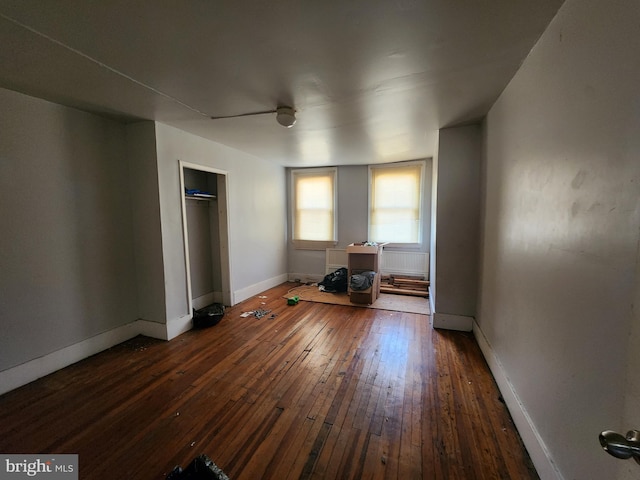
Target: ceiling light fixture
(286, 116)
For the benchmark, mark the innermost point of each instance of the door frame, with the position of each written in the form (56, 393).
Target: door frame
(222, 197)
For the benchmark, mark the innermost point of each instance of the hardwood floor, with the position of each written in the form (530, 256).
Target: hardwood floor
(308, 391)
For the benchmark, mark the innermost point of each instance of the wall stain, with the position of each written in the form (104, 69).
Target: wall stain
(579, 179)
(575, 209)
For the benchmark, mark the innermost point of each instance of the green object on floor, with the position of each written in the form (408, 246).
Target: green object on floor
(293, 300)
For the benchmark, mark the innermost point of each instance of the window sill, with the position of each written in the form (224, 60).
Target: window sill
(403, 246)
(312, 245)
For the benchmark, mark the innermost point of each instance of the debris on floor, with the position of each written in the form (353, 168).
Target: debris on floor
(202, 467)
(258, 313)
(293, 300)
(261, 313)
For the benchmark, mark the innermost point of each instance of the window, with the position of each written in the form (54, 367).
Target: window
(395, 203)
(314, 208)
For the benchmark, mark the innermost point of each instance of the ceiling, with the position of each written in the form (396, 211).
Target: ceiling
(371, 80)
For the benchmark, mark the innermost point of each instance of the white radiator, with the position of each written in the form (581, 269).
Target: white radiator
(393, 262)
(405, 263)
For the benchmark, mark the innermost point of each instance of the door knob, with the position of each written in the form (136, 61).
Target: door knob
(621, 446)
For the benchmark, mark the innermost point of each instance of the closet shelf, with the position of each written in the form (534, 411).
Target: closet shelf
(200, 196)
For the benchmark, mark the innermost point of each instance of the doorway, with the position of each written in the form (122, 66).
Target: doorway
(206, 235)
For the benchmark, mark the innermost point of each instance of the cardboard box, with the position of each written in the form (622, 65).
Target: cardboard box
(360, 248)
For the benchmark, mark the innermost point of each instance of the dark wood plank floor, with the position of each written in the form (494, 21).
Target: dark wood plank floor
(314, 391)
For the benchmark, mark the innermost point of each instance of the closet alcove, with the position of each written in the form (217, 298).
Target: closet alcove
(206, 242)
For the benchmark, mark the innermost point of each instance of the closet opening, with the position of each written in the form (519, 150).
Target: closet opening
(206, 236)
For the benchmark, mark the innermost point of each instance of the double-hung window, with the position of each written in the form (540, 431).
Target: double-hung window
(395, 202)
(313, 207)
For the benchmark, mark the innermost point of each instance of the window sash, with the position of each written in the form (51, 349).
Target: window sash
(314, 207)
(395, 203)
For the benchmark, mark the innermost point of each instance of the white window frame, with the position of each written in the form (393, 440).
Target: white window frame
(313, 244)
(421, 210)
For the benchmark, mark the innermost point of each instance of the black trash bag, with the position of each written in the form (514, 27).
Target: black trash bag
(361, 281)
(200, 468)
(335, 282)
(208, 316)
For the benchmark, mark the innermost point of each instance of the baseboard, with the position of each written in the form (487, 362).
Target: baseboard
(432, 300)
(152, 329)
(178, 326)
(256, 288)
(27, 372)
(452, 322)
(534, 444)
(206, 299)
(31, 370)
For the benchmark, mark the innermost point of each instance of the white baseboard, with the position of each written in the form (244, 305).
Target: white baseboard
(207, 299)
(152, 329)
(31, 370)
(256, 288)
(27, 372)
(431, 300)
(452, 322)
(39, 367)
(178, 326)
(547, 469)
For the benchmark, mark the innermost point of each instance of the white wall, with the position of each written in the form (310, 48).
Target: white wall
(353, 218)
(91, 251)
(145, 196)
(631, 415)
(434, 224)
(66, 252)
(456, 220)
(560, 244)
(257, 220)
